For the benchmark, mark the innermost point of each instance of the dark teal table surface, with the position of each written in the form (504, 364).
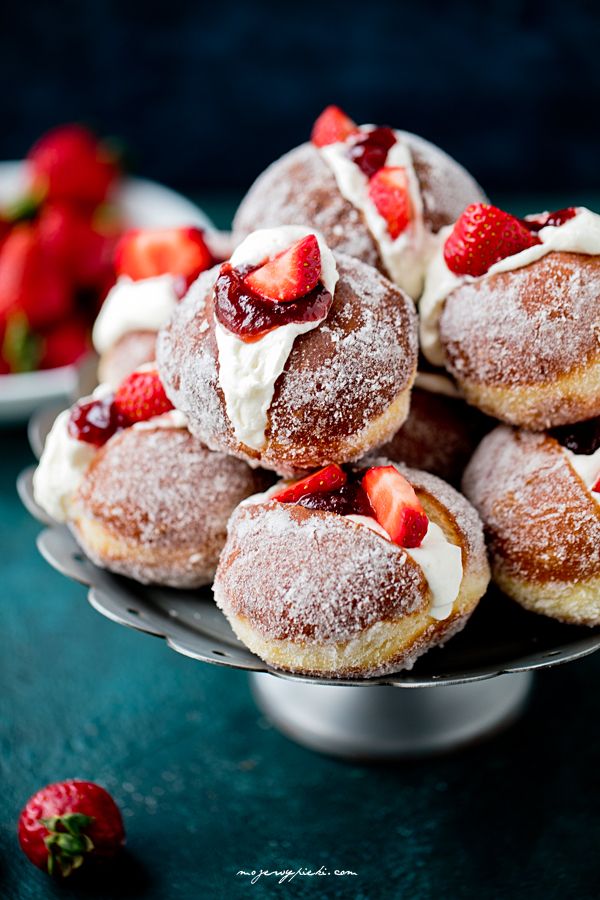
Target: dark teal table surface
(208, 788)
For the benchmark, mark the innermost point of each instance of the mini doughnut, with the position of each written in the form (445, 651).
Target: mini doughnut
(304, 393)
(542, 517)
(316, 592)
(321, 186)
(128, 353)
(521, 339)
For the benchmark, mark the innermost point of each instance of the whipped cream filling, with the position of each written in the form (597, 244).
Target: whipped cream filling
(436, 383)
(248, 371)
(587, 467)
(143, 305)
(581, 234)
(66, 459)
(439, 560)
(406, 256)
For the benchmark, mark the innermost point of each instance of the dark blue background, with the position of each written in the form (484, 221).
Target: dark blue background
(206, 94)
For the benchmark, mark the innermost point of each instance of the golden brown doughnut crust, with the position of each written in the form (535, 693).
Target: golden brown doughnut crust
(345, 387)
(524, 344)
(314, 592)
(541, 522)
(132, 350)
(439, 435)
(154, 505)
(300, 189)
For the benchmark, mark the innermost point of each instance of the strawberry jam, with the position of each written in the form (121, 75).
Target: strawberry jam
(556, 218)
(242, 311)
(350, 499)
(96, 421)
(583, 437)
(370, 150)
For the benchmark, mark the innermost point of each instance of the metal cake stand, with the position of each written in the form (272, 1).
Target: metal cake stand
(484, 674)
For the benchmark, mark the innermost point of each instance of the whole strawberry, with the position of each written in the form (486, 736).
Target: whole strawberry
(141, 396)
(482, 236)
(67, 823)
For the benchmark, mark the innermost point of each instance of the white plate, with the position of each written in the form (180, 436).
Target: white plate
(143, 204)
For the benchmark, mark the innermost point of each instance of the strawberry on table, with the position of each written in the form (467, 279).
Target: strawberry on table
(333, 125)
(328, 479)
(70, 163)
(146, 253)
(396, 505)
(482, 236)
(289, 275)
(65, 824)
(142, 396)
(388, 189)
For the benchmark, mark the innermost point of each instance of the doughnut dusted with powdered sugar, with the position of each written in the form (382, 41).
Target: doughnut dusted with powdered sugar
(322, 375)
(316, 585)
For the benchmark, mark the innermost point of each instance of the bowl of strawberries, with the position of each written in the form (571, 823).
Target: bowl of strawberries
(62, 211)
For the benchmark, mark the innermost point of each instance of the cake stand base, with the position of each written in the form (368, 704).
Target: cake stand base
(379, 722)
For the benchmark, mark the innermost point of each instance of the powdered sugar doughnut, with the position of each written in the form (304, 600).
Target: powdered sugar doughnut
(344, 386)
(301, 188)
(521, 339)
(154, 503)
(314, 592)
(542, 521)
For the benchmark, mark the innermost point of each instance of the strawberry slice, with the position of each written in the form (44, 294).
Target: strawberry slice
(148, 252)
(396, 506)
(328, 479)
(482, 236)
(388, 189)
(142, 396)
(332, 126)
(291, 274)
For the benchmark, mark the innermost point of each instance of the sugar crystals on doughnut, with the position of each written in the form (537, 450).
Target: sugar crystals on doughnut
(375, 193)
(290, 355)
(510, 308)
(350, 573)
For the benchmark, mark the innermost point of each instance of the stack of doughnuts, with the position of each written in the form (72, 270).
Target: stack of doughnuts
(298, 434)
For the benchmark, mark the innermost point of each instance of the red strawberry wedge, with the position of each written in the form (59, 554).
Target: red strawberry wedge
(332, 126)
(291, 274)
(149, 252)
(141, 396)
(67, 823)
(328, 479)
(388, 189)
(482, 236)
(396, 506)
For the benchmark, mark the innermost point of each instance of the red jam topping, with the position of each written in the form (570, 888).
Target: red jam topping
(349, 500)
(96, 421)
(582, 438)
(556, 218)
(370, 150)
(242, 311)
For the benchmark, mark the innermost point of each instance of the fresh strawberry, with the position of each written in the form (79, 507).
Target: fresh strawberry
(64, 344)
(482, 236)
(69, 163)
(291, 274)
(396, 506)
(328, 479)
(556, 218)
(145, 253)
(31, 281)
(388, 189)
(67, 823)
(78, 242)
(142, 396)
(333, 125)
